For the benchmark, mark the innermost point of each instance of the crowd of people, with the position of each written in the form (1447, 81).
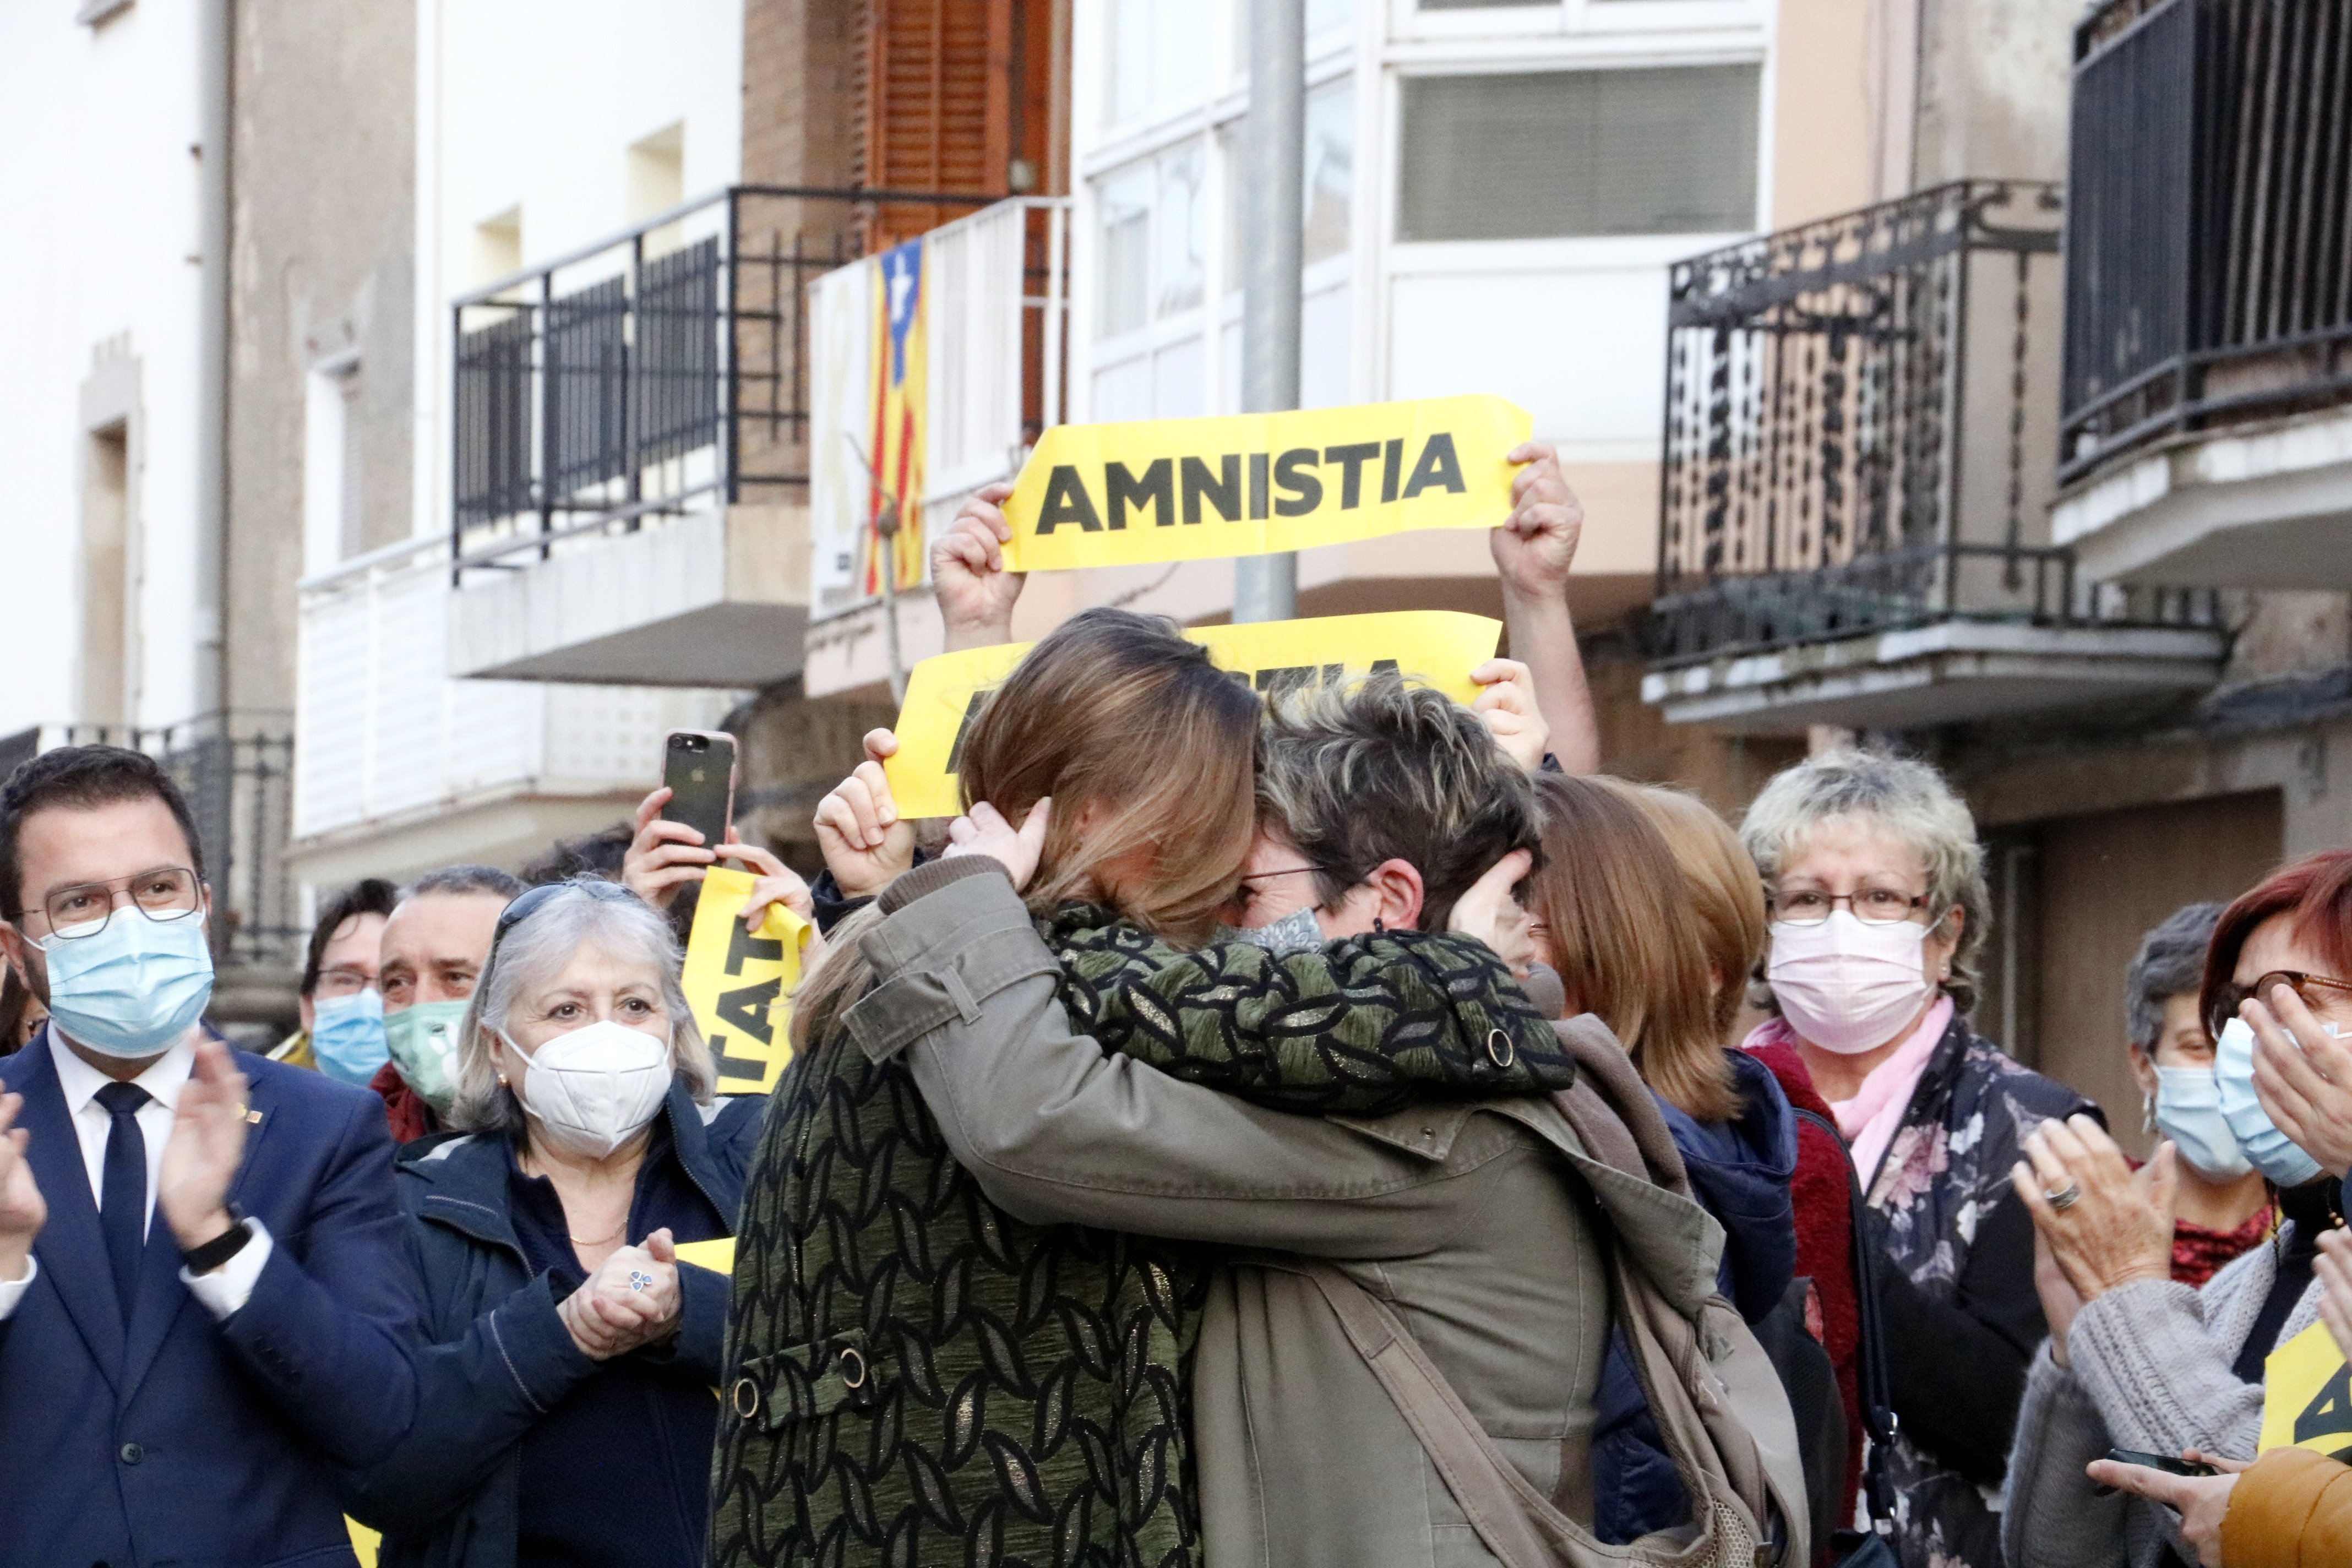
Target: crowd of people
(1347, 1129)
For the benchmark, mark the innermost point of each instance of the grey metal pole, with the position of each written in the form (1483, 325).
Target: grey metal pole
(1266, 587)
(215, 66)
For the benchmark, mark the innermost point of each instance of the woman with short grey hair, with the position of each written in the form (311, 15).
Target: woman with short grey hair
(1874, 888)
(2221, 1205)
(565, 1413)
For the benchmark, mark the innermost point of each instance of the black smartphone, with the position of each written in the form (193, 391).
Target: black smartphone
(2168, 1464)
(698, 767)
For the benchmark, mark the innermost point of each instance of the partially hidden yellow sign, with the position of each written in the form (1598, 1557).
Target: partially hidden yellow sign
(1437, 647)
(1188, 489)
(2308, 1395)
(740, 982)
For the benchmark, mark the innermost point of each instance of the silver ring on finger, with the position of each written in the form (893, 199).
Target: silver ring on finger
(2065, 1197)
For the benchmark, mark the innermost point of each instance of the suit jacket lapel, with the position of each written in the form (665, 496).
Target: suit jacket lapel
(71, 1249)
(162, 1296)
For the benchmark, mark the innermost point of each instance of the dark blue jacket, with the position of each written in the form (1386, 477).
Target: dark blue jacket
(500, 1358)
(1739, 1171)
(178, 1441)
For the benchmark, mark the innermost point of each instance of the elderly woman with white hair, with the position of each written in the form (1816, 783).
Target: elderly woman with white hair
(1874, 888)
(565, 1413)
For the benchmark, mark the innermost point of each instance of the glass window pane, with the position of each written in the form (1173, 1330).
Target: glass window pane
(1322, 15)
(1131, 59)
(1125, 202)
(1182, 262)
(1579, 152)
(1481, 4)
(1180, 56)
(1330, 167)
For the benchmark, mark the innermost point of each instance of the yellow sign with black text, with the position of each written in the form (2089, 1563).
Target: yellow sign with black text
(2308, 1395)
(1437, 647)
(1189, 490)
(740, 982)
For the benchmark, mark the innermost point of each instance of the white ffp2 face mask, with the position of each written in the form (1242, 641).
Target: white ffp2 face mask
(596, 1087)
(1847, 986)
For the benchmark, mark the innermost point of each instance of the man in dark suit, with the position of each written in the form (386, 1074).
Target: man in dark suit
(203, 1301)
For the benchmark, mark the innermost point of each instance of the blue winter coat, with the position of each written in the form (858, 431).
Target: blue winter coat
(447, 1496)
(1739, 1171)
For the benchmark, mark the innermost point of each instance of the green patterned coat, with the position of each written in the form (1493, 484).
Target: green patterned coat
(916, 1376)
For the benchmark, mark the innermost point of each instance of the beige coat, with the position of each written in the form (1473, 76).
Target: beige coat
(1475, 1222)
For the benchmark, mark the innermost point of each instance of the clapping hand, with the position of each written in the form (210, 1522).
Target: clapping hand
(866, 846)
(206, 1145)
(23, 1211)
(2115, 1226)
(2303, 1076)
(631, 1301)
(986, 832)
(974, 592)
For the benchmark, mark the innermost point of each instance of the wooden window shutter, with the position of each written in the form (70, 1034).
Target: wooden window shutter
(939, 96)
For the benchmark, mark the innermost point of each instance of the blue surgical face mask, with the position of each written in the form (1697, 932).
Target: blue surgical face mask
(1293, 933)
(422, 1041)
(347, 1036)
(2188, 1112)
(2273, 1154)
(132, 989)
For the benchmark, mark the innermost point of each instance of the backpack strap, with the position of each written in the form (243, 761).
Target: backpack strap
(1871, 1377)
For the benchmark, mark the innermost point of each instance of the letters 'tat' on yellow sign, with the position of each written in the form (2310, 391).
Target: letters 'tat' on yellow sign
(739, 981)
(1437, 647)
(1189, 490)
(2308, 1395)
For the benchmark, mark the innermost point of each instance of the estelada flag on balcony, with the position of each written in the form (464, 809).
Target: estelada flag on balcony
(1188, 489)
(895, 478)
(944, 693)
(740, 982)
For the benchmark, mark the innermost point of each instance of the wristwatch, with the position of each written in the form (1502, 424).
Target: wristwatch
(221, 1248)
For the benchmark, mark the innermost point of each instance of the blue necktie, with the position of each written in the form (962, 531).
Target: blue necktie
(122, 1193)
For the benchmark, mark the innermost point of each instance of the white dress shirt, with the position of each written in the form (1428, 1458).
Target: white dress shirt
(222, 1290)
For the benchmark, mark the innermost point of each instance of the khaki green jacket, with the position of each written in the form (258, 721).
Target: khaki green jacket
(1476, 1222)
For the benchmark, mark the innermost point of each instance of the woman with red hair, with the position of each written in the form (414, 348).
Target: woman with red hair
(2136, 1360)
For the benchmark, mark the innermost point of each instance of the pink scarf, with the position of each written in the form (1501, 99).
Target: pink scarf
(1871, 1117)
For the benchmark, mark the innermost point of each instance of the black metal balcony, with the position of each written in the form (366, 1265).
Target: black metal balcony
(1857, 416)
(2209, 237)
(668, 363)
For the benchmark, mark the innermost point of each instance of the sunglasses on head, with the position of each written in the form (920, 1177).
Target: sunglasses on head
(531, 901)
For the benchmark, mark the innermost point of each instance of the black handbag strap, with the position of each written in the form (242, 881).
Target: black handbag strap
(1870, 1376)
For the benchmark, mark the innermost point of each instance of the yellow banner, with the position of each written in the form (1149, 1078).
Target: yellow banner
(718, 1256)
(1187, 490)
(1437, 647)
(2308, 1395)
(739, 981)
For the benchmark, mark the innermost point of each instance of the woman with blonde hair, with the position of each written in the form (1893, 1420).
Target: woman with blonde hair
(916, 1373)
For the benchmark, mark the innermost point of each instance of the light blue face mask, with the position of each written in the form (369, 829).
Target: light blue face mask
(2188, 1112)
(1293, 933)
(133, 988)
(2273, 1154)
(422, 1041)
(347, 1036)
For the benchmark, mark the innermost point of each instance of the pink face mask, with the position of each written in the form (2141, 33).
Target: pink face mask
(1847, 986)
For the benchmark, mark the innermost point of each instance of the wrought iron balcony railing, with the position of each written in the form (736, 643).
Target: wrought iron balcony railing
(1848, 448)
(668, 363)
(2209, 234)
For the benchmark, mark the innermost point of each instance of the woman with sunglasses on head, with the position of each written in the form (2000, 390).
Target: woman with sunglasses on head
(2136, 1359)
(565, 1413)
(1875, 897)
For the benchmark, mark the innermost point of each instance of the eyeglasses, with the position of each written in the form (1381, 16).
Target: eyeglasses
(83, 909)
(336, 983)
(2233, 997)
(532, 900)
(1870, 906)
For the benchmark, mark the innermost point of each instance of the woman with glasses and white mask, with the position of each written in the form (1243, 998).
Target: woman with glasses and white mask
(2136, 1359)
(565, 1411)
(1875, 894)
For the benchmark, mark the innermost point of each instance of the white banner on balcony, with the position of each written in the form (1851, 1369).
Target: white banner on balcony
(915, 397)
